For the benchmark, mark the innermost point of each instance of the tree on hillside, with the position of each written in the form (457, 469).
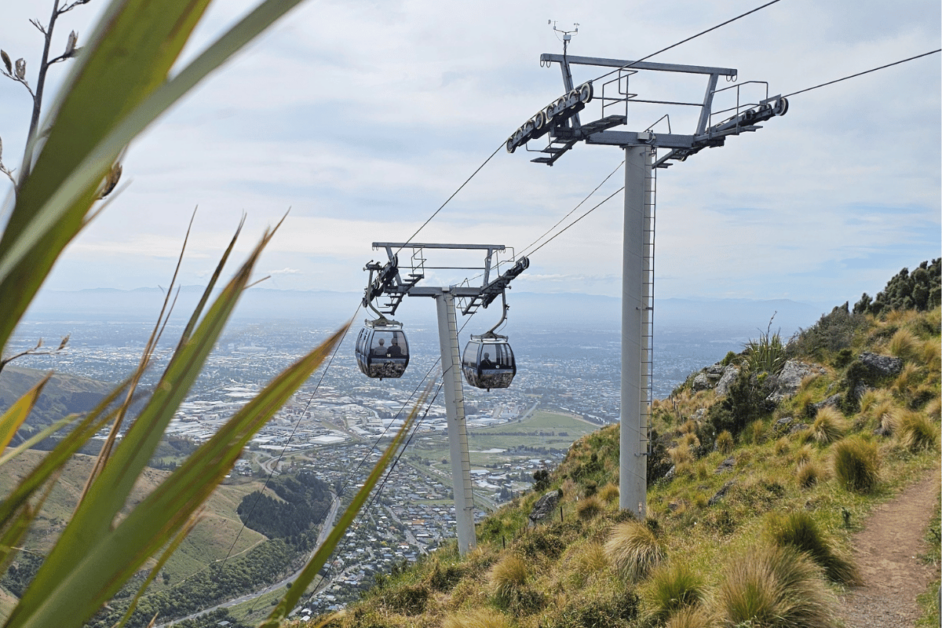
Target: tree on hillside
(919, 290)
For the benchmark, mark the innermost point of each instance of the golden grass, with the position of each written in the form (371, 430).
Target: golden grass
(917, 432)
(690, 440)
(775, 586)
(609, 493)
(689, 427)
(856, 465)
(803, 455)
(783, 446)
(680, 454)
(588, 507)
(690, 617)
(509, 577)
(724, 442)
(829, 426)
(633, 549)
(907, 379)
(671, 588)
(482, 617)
(809, 473)
(904, 344)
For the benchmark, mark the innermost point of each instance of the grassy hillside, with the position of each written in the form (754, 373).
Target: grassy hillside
(63, 394)
(209, 541)
(751, 503)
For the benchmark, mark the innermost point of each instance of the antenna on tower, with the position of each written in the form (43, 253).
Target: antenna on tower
(567, 35)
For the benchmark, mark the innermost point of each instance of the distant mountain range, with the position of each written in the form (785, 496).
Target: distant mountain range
(538, 309)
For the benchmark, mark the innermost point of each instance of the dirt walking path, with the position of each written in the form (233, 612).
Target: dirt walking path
(887, 553)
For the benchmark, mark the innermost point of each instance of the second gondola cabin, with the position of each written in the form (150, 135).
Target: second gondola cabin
(488, 362)
(382, 349)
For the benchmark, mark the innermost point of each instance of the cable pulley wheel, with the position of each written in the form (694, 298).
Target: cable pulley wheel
(780, 108)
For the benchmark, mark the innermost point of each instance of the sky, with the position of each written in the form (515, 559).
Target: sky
(362, 118)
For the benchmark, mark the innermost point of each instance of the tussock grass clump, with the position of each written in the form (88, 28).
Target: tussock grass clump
(690, 440)
(775, 586)
(633, 550)
(799, 530)
(782, 446)
(724, 442)
(933, 409)
(916, 432)
(808, 474)
(689, 427)
(690, 617)
(609, 493)
(828, 426)
(680, 454)
(904, 344)
(804, 455)
(672, 588)
(509, 577)
(907, 380)
(856, 465)
(591, 559)
(478, 618)
(930, 354)
(588, 507)
(754, 434)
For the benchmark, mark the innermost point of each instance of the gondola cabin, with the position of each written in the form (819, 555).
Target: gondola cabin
(382, 349)
(488, 362)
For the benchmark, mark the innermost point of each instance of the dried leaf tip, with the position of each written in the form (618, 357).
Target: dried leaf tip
(6, 61)
(70, 44)
(111, 181)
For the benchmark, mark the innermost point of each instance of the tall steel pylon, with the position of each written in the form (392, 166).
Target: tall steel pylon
(561, 122)
(395, 288)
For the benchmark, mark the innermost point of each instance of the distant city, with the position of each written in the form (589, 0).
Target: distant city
(337, 422)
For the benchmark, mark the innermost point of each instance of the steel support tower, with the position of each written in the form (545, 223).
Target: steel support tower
(391, 284)
(561, 123)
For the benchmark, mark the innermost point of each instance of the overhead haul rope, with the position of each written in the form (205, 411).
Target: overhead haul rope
(392, 466)
(888, 65)
(529, 246)
(293, 432)
(692, 37)
(448, 200)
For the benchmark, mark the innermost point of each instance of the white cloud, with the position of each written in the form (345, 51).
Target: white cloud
(363, 118)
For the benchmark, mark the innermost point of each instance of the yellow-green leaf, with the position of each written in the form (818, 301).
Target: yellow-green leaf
(13, 418)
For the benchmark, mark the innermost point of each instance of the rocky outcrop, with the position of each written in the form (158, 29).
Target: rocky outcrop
(730, 373)
(544, 508)
(880, 366)
(788, 381)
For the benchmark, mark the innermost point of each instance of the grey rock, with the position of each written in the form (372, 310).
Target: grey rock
(701, 382)
(882, 431)
(670, 473)
(832, 401)
(729, 376)
(699, 414)
(861, 389)
(720, 494)
(544, 508)
(881, 365)
(715, 371)
(727, 465)
(788, 381)
(797, 427)
(784, 422)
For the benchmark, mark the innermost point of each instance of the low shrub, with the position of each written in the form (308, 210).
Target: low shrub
(856, 465)
(588, 508)
(633, 549)
(775, 586)
(828, 426)
(916, 432)
(724, 442)
(672, 588)
(799, 530)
